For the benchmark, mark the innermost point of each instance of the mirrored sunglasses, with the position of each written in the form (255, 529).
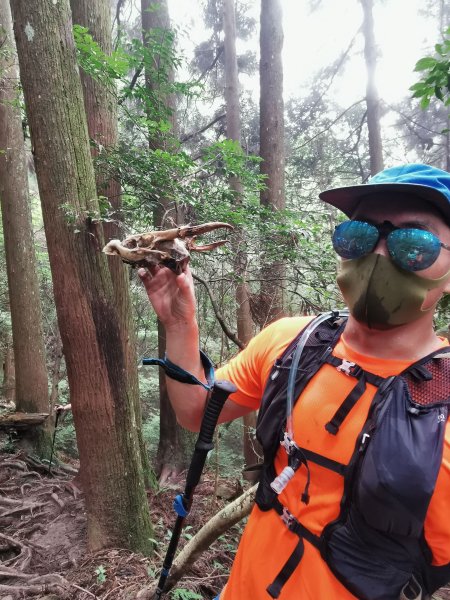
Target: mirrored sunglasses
(411, 249)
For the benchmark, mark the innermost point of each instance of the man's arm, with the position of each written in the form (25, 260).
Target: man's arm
(173, 300)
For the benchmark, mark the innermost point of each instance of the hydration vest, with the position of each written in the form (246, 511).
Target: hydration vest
(376, 547)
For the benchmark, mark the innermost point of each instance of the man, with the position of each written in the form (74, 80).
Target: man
(366, 514)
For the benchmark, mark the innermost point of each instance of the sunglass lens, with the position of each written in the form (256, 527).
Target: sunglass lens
(413, 249)
(353, 239)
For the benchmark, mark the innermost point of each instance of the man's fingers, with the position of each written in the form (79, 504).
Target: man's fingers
(145, 276)
(143, 273)
(155, 277)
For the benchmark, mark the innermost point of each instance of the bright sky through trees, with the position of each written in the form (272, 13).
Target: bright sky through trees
(314, 39)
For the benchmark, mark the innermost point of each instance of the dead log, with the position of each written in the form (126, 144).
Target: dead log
(20, 420)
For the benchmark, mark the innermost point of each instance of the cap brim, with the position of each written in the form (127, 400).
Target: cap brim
(347, 199)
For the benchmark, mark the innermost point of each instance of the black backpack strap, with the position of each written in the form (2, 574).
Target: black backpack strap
(274, 589)
(350, 369)
(292, 523)
(323, 461)
(339, 416)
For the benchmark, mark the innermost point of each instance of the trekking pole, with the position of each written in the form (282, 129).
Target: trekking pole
(58, 412)
(182, 503)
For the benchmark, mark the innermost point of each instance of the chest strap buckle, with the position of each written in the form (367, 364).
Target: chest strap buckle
(288, 519)
(348, 367)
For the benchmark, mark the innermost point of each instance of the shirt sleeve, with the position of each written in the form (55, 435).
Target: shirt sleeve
(250, 369)
(437, 523)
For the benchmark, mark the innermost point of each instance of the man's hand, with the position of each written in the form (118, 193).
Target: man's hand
(172, 296)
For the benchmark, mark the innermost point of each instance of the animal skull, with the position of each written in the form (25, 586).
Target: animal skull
(170, 248)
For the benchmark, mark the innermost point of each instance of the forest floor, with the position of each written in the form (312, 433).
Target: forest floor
(43, 541)
(43, 550)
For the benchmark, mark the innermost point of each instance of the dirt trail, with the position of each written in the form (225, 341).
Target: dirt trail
(43, 541)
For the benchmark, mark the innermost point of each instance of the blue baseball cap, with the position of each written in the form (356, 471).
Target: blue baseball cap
(429, 183)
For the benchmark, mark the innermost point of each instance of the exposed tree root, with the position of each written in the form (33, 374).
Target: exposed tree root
(37, 590)
(21, 553)
(18, 584)
(24, 511)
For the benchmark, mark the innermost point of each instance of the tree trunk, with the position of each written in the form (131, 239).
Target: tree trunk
(172, 452)
(9, 384)
(91, 332)
(100, 103)
(31, 383)
(372, 100)
(233, 127)
(171, 455)
(272, 146)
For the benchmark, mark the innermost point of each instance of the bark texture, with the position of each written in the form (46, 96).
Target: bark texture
(271, 145)
(171, 455)
(372, 99)
(100, 103)
(102, 402)
(233, 130)
(8, 383)
(31, 383)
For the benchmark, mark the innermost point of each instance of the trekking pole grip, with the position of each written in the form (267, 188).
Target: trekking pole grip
(219, 395)
(220, 392)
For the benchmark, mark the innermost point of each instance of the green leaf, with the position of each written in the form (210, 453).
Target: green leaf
(425, 63)
(424, 103)
(417, 86)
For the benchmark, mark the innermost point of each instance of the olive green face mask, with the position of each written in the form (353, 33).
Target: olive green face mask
(380, 294)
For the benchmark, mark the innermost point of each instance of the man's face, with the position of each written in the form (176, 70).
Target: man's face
(410, 212)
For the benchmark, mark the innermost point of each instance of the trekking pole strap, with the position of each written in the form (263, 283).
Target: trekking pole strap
(179, 374)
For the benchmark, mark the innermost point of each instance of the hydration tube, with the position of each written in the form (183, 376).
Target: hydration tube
(294, 366)
(281, 481)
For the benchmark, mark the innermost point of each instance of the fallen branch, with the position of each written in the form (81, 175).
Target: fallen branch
(213, 529)
(77, 587)
(20, 420)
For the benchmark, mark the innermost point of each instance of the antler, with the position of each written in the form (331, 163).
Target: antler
(185, 231)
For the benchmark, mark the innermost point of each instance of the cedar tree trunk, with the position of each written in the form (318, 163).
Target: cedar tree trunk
(102, 401)
(31, 384)
(272, 145)
(8, 383)
(101, 112)
(372, 100)
(233, 125)
(171, 455)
